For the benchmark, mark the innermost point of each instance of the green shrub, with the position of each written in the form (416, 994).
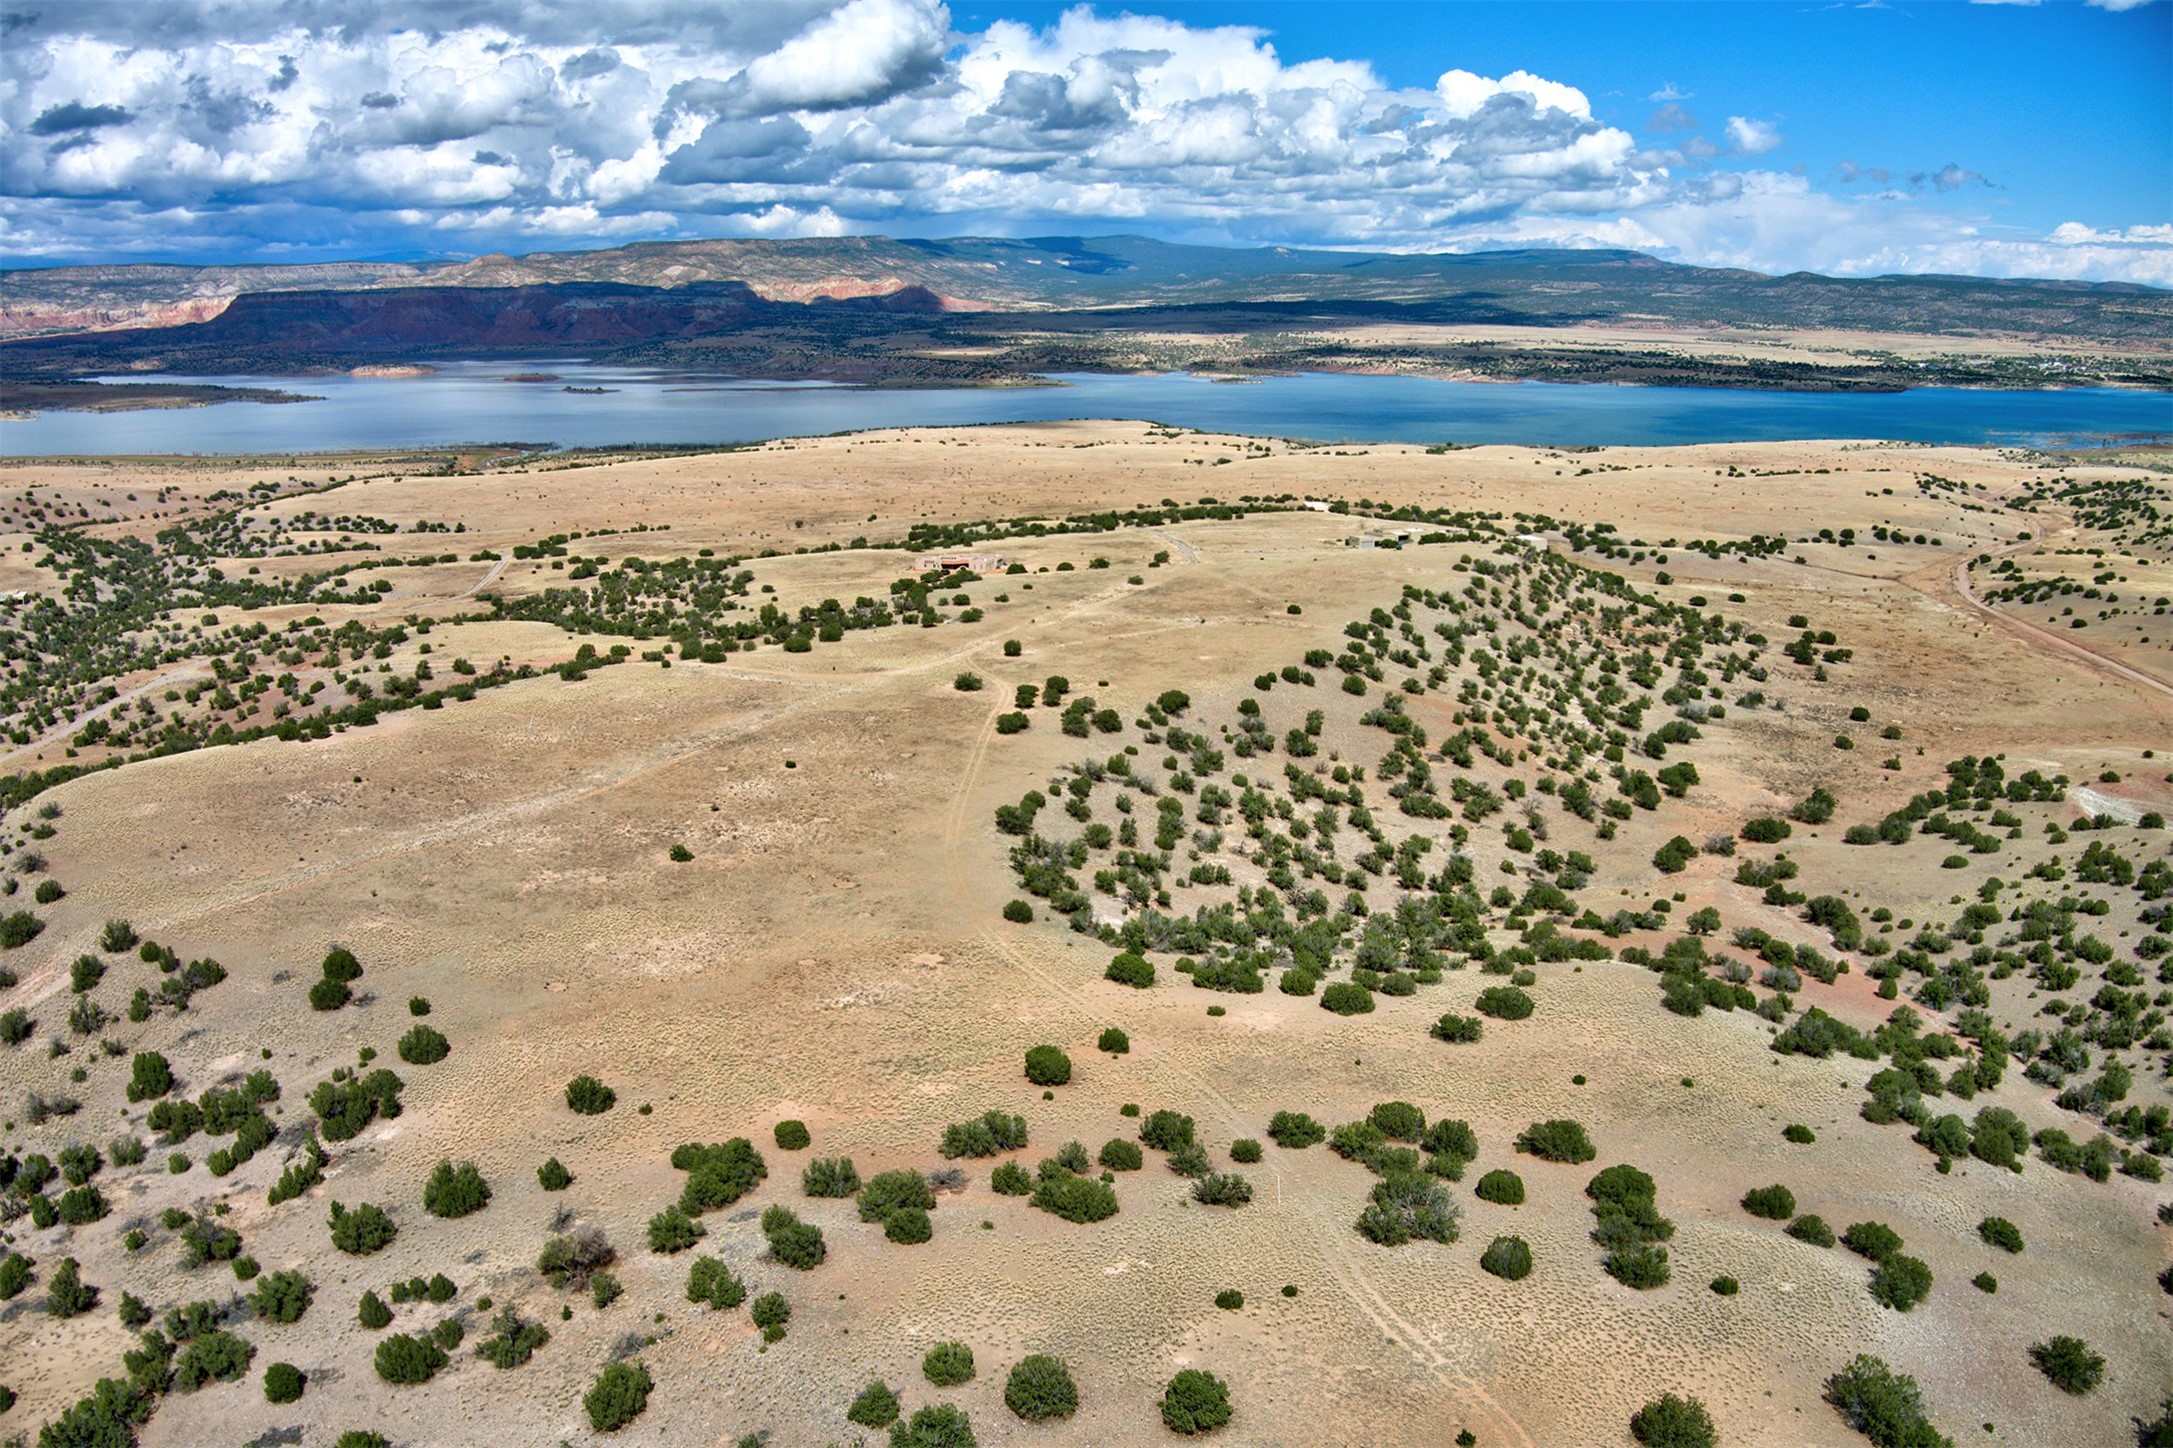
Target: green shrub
(893, 1191)
(150, 1077)
(404, 1359)
(1629, 1225)
(2069, 1364)
(1195, 1402)
(1885, 1406)
(791, 1136)
(1294, 1130)
(340, 965)
(770, 1312)
(1011, 1180)
(1245, 1151)
(570, 1261)
(948, 1364)
(2001, 1233)
(590, 1096)
(344, 1108)
(1222, 1189)
(1900, 1282)
(1012, 723)
(718, 1174)
(1018, 912)
(710, 1281)
(1407, 1205)
(1509, 1258)
(80, 1206)
(418, 1005)
(19, 929)
(619, 1396)
(1229, 1299)
(1458, 1030)
(986, 1135)
(455, 1191)
(1398, 1120)
(1557, 1140)
(512, 1341)
(793, 1242)
(67, 1294)
(1774, 1203)
(1674, 856)
(876, 1407)
(329, 994)
(1875, 1240)
(672, 1230)
(1501, 1187)
(1166, 1130)
(1671, 1422)
(1132, 969)
(1811, 1228)
(1766, 831)
(1047, 1066)
(552, 1176)
(1186, 1159)
(359, 1438)
(830, 1176)
(1040, 1389)
(1114, 1041)
(211, 1357)
(1644, 1266)
(937, 1426)
(1346, 999)
(14, 1274)
(1725, 1286)
(1800, 1135)
(283, 1383)
(908, 1226)
(1075, 1198)
(424, 1046)
(1120, 1155)
(362, 1231)
(282, 1296)
(373, 1313)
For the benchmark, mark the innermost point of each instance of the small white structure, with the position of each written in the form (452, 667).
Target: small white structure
(961, 563)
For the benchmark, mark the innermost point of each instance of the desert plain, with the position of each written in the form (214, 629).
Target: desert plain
(769, 884)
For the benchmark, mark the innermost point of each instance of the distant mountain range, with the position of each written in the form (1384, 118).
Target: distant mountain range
(1543, 288)
(992, 312)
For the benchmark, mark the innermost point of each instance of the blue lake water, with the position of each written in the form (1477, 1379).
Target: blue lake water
(477, 403)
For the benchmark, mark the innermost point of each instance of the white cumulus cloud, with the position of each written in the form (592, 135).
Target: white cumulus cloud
(236, 128)
(1752, 138)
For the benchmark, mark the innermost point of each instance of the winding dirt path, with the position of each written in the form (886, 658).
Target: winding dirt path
(1939, 580)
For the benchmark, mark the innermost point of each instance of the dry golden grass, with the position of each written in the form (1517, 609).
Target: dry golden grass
(834, 952)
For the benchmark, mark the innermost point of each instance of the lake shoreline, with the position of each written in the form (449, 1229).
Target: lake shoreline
(585, 407)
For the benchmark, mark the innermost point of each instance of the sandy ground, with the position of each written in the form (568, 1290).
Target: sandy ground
(835, 953)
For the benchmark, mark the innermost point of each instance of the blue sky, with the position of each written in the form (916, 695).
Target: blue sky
(1849, 138)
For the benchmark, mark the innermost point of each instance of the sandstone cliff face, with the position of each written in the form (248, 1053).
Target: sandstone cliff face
(55, 320)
